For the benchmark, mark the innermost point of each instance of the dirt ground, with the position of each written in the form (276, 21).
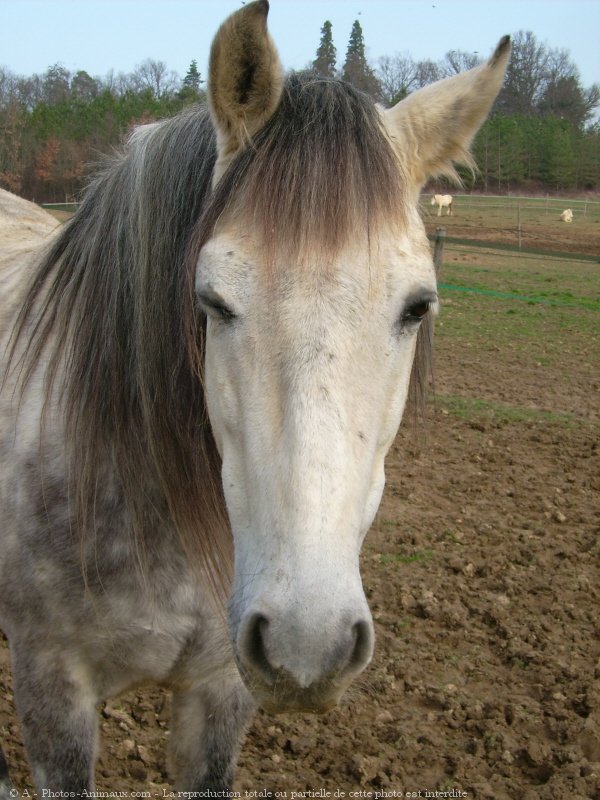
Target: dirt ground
(483, 575)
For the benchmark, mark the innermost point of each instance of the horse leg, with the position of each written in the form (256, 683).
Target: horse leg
(56, 710)
(207, 727)
(439, 210)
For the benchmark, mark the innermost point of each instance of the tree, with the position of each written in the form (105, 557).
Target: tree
(542, 80)
(456, 61)
(190, 91)
(83, 86)
(53, 125)
(589, 159)
(192, 78)
(525, 75)
(12, 125)
(8, 87)
(427, 72)
(356, 69)
(558, 163)
(46, 161)
(56, 87)
(155, 76)
(324, 63)
(397, 77)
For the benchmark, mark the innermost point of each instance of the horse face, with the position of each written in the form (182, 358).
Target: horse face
(307, 369)
(307, 373)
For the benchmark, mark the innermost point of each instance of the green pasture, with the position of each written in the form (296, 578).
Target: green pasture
(524, 313)
(517, 296)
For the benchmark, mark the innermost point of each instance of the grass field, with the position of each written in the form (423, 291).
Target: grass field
(532, 314)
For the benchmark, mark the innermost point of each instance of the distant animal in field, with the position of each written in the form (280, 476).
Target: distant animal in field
(442, 201)
(567, 215)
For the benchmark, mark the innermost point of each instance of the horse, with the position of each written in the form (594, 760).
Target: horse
(567, 215)
(442, 201)
(202, 375)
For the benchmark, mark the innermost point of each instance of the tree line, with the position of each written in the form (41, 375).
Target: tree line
(541, 133)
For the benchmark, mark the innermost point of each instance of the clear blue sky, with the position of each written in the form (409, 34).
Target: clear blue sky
(99, 35)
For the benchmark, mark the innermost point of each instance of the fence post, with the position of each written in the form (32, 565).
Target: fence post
(438, 251)
(519, 223)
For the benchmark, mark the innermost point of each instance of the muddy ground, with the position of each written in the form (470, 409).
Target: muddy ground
(483, 575)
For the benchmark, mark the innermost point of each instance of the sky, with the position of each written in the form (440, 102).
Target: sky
(100, 35)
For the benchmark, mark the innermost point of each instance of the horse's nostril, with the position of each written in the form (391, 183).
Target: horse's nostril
(363, 645)
(296, 659)
(252, 646)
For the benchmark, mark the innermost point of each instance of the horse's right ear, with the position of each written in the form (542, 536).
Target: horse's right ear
(245, 80)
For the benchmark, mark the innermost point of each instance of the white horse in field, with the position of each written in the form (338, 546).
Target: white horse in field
(201, 376)
(567, 215)
(442, 201)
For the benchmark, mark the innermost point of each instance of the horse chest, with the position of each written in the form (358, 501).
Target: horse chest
(147, 636)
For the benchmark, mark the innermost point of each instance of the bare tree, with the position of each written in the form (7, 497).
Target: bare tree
(397, 76)
(156, 76)
(427, 72)
(456, 61)
(8, 87)
(117, 83)
(30, 91)
(543, 80)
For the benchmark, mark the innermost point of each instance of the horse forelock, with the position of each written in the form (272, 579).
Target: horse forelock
(319, 174)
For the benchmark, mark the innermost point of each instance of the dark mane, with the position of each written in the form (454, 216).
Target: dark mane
(112, 304)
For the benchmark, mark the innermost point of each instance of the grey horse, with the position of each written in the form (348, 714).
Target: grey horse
(203, 372)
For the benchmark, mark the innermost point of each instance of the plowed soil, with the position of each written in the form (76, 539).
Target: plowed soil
(483, 575)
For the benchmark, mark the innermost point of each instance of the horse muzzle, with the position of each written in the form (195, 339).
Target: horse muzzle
(293, 667)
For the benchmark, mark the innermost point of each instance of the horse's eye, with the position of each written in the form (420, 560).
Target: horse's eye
(215, 307)
(417, 311)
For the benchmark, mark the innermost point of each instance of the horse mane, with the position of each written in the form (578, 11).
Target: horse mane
(112, 305)
(112, 308)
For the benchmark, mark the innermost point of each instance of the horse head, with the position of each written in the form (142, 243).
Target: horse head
(314, 281)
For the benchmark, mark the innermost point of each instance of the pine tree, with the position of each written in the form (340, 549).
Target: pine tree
(192, 79)
(190, 91)
(324, 63)
(356, 69)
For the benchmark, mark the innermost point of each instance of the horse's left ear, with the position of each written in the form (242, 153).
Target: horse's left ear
(435, 126)
(245, 80)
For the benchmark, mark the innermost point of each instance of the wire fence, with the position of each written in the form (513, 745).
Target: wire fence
(544, 205)
(521, 223)
(71, 207)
